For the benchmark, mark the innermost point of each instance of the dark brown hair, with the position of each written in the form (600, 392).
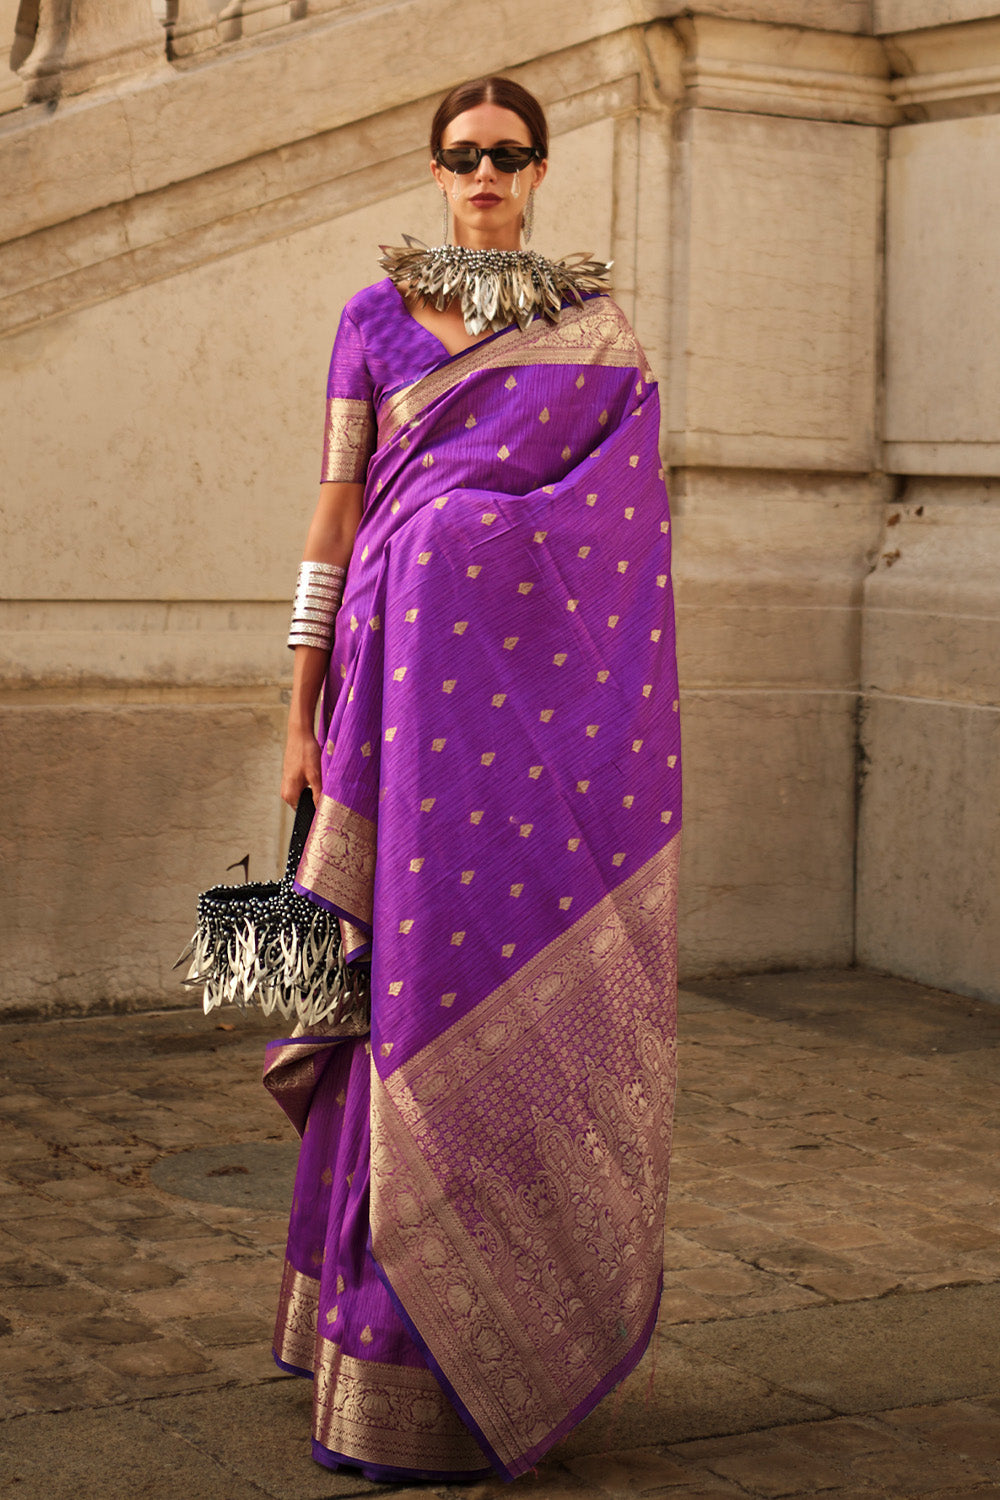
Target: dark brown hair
(494, 90)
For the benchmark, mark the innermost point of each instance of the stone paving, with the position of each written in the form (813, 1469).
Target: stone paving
(831, 1319)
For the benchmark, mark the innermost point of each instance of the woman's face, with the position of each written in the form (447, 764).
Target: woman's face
(485, 212)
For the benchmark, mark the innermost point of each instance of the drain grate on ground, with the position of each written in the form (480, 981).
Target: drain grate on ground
(256, 1174)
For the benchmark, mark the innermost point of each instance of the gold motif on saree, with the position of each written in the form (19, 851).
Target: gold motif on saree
(524, 1197)
(339, 860)
(349, 440)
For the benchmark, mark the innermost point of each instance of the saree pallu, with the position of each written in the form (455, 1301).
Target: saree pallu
(475, 1247)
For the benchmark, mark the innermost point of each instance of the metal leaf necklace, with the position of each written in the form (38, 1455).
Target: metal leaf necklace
(495, 287)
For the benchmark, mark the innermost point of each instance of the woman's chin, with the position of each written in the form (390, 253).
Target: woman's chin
(488, 222)
(488, 216)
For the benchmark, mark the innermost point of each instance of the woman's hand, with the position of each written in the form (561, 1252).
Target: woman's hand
(302, 765)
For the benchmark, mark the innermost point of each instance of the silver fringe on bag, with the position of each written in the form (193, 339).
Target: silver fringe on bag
(287, 972)
(264, 944)
(495, 287)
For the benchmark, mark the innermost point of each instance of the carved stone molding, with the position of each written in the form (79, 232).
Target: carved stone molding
(199, 25)
(80, 44)
(909, 15)
(849, 16)
(265, 94)
(149, 236)
(948, 71)
(785, 70)
(192, 26)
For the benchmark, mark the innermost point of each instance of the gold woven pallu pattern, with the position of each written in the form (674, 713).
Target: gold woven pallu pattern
(521, 1229)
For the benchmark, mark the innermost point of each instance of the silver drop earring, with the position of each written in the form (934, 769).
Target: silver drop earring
(528, 218)
(444, 220)
(515, 191)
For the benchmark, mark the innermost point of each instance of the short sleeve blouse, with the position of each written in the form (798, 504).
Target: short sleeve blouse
(349, 439)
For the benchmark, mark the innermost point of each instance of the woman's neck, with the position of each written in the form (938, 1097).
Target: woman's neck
(469, 239)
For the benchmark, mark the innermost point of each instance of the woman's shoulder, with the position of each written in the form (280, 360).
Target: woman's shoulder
(603, 329)
(603, 305)
(371, 303)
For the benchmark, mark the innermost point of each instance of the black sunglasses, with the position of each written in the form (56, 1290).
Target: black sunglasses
(465, 159)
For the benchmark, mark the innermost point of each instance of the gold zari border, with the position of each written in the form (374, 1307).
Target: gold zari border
(348, 440)
(597, 333)
(290, 1067)
(290, 1078)
(295, 1325)
(339, 859)
(368, 1412)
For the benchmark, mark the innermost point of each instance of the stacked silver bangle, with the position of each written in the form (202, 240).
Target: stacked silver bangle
(317, 599)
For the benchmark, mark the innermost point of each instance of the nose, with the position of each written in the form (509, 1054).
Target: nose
(486, 172)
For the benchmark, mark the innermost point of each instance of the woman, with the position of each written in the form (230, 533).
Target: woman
(475, 1246)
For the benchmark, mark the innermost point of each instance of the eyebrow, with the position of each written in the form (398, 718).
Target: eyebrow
(508, 140)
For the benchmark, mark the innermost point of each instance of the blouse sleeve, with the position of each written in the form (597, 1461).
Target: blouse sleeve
(349, 439)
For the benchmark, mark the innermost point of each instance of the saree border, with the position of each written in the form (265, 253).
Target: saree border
(368, 1411)
(290, 1070)
(338, 864)
(464, 1300)
(596, 333)
(295, 1323)
(348, 440)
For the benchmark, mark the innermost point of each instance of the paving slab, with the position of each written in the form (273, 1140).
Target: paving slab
(84, 1455)
(256, 1434)
(679, 1392)
(243, 1174)
(868, 1356)
(832, 1267)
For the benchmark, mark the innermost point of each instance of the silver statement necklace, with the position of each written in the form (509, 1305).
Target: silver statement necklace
(495, 287)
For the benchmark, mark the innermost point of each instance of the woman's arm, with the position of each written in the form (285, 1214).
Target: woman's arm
(330, 540)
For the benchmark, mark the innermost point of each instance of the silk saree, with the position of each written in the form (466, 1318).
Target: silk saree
(475, 1243)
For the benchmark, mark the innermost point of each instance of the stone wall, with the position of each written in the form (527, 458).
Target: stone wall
(184, 213)
(929, 850)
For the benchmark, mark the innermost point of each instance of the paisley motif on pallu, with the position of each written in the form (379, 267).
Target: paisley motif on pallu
(500, 831)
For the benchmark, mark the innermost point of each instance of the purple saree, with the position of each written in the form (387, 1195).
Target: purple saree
(475, 1247)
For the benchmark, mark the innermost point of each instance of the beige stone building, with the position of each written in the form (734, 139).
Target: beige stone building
(802, 198)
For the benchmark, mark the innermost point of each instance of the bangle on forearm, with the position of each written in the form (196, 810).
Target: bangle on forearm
(317, 599)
